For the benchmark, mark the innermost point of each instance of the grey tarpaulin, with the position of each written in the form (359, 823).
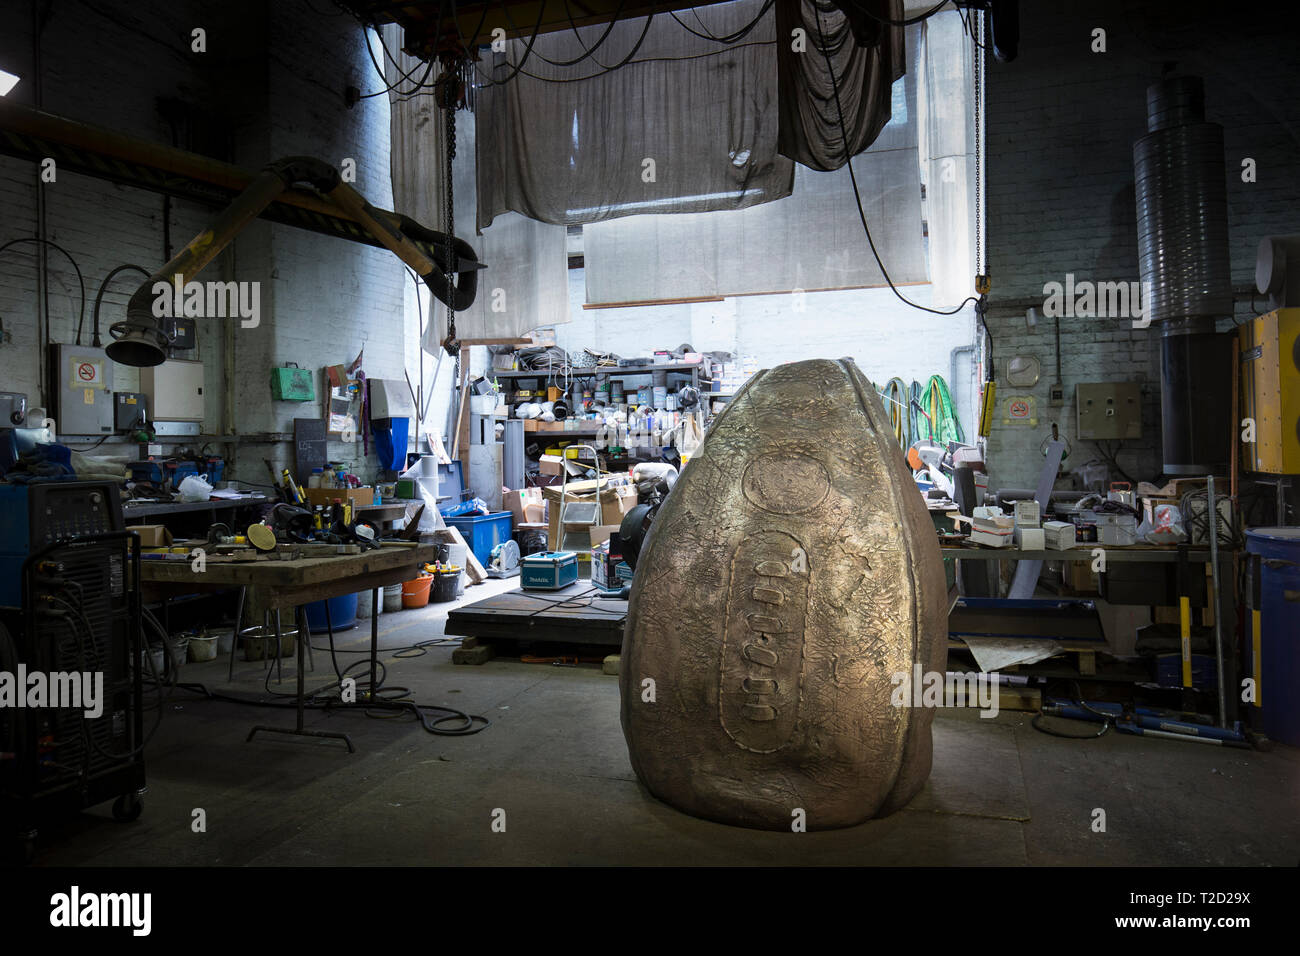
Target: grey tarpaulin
(809, 240)
(525, 285)
(688, 125)
(867, 56)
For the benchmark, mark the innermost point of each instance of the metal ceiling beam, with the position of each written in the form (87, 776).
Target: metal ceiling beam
(30, 134)
(431, 29)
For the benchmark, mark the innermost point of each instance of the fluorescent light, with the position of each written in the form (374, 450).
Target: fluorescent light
(7, 82)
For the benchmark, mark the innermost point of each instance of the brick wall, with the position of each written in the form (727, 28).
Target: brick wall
(271, 84)
(1062, 121)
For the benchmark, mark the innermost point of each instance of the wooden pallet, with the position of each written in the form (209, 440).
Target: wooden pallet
(577, 614)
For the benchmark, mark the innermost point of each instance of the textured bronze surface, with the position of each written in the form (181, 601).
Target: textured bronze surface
(792, 572)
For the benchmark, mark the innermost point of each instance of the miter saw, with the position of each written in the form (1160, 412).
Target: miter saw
(504, 560)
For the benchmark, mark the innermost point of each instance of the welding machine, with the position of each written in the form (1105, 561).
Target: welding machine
(69, 610)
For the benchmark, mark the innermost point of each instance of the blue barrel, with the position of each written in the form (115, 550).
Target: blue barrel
(1278, 692)
(343, 614)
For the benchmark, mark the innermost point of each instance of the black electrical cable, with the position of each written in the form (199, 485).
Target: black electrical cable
(76, 268)
(99, 297)
(730, 37)
(618, 15)
(88, 735)
(488, 81)
(397, 700)
(848, 161)
(908, 21)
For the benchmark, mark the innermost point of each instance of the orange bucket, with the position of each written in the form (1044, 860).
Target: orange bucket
(416, 593)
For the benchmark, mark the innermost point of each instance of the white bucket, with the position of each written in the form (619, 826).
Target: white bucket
(366, 604)
(393, 598)
(456, 556)
(225, 639)
(158, 655)
(180, 647)
(203, 648)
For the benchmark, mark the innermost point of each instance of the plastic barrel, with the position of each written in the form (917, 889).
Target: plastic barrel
(1278, 690)
(343, 613)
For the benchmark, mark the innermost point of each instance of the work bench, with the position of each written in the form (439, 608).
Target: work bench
(1225, 601)
(270, 585)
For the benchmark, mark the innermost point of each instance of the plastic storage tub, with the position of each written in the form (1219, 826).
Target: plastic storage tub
(483, 532)
(343, 613)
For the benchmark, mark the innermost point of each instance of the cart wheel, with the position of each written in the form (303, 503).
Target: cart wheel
(21, 851)
(127, 808)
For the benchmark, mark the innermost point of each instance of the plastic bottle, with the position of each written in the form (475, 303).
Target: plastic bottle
(315, 479)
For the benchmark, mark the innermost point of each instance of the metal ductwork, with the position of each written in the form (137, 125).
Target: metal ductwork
(449, 268)
(1182, 218)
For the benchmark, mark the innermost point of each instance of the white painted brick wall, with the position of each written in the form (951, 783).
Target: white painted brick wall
(885, 337)
(322, 298)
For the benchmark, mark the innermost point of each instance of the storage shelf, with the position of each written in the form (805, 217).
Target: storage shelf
(587, 372)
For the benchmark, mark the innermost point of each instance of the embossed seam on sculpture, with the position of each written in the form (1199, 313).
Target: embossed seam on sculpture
(769, 644)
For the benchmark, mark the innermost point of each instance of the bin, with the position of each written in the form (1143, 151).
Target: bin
(1278, 668)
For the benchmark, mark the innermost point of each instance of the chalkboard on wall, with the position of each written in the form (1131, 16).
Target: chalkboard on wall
(309, 447)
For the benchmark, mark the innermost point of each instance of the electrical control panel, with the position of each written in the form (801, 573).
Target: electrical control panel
(83, 402)
(174, 390)
(130, 411)
(1108, 411)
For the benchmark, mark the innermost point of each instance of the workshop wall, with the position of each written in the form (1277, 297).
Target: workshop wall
(885, 337)
(1062, 121)
(270, 84)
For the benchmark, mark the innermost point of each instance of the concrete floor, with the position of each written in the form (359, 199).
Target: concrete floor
(554, 759)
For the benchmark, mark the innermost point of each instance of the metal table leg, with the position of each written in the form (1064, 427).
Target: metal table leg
(234, 644)
(298, 731)
(374, 644)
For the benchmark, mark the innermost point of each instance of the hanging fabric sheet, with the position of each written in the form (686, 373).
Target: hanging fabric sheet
(686, 124)
(866, 56)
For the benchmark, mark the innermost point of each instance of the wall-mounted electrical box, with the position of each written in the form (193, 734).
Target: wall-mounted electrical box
(1108, 410)
(130, 411)
(83, 400)
(174, 391)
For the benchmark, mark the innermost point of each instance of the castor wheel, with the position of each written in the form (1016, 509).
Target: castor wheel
(21, 850)
(127, 808)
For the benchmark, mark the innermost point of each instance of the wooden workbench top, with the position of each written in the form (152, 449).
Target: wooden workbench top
(274, 572)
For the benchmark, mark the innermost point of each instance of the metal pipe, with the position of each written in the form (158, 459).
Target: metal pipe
(1218, 603)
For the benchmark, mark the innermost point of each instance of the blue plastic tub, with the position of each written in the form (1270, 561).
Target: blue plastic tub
(483, 532)
(1278, 670)
(343, 614)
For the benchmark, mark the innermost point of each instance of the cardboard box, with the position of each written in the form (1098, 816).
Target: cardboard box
(551, 465)
(525, 505)
(151, 535)
(601, 532)
(615, 501)
(608, 569)
(1030, 539)
(1026, 514)
(1059, 535)
(360, 497)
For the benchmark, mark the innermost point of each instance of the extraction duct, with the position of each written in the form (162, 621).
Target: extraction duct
(1182, 218)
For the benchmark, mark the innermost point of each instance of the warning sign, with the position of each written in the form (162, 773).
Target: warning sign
(86, 373)
(1020, 410)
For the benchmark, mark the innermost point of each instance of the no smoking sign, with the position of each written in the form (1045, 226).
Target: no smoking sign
(86, 372)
